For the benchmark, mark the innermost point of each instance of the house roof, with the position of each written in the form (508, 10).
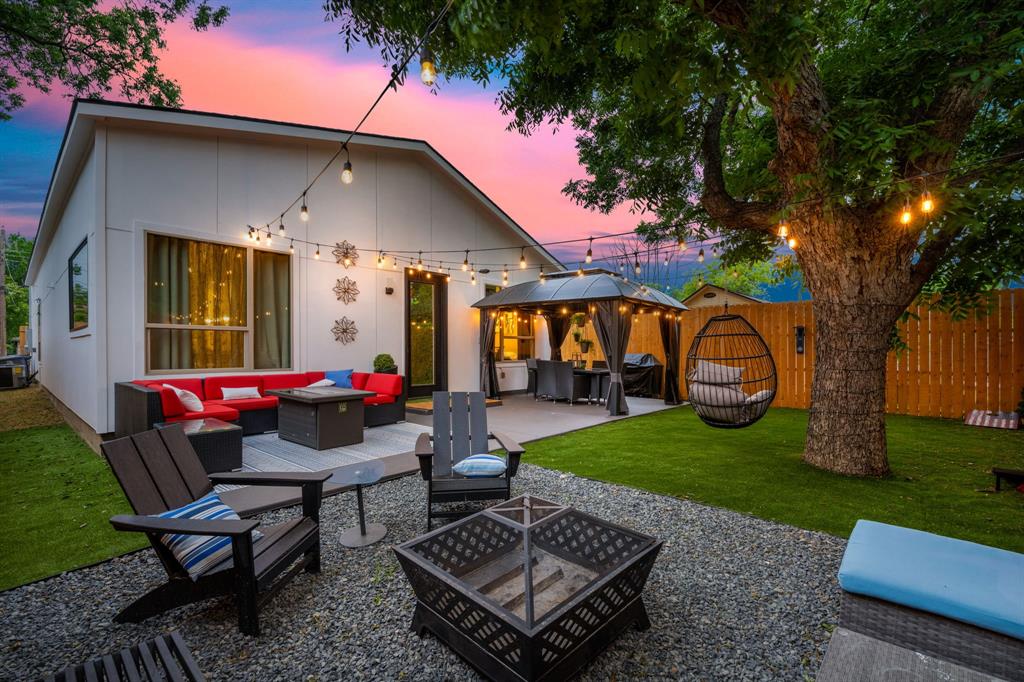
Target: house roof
(744, 298)
(85, 113)
(569, 287)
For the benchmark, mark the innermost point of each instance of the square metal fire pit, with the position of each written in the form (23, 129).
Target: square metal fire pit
(528, 589)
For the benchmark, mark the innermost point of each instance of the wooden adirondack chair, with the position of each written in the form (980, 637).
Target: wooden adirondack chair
(166, 657)
(158, 471)
(460, 430)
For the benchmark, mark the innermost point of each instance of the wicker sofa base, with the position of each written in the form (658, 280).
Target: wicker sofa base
(967, 645)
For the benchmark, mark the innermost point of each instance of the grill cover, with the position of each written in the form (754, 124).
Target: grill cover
(641, 375)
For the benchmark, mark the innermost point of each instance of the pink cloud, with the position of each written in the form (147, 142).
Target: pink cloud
(524, 175)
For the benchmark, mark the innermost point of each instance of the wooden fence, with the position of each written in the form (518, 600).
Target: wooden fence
(952, 366)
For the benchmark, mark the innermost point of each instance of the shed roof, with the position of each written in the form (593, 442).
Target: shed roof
(569, 287)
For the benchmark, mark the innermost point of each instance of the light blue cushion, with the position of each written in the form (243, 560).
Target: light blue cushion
(962, 580)
(480, 466)
(342, 378)
(197, 553)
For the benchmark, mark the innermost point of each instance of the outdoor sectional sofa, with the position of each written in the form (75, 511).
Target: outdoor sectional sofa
(142, 403)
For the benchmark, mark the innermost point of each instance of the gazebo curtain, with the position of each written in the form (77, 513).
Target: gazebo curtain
(670, 342)
(558, 330)
(612, 327)
(488, 368)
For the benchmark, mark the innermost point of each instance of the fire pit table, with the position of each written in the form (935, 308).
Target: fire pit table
(528, 589)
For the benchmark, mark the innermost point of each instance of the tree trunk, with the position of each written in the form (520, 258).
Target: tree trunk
(846, 427)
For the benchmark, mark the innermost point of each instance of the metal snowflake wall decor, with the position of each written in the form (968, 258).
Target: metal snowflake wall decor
(346, 290)
(344, 330)
(345, 253)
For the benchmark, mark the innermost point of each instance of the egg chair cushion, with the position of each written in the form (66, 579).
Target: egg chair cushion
(759, 397)
(718, 402)
(712, 373)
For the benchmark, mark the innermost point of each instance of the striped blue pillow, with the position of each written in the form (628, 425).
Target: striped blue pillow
(197, 553)
(480, 466)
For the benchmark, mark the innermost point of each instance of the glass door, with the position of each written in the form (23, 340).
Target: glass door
(426, 341)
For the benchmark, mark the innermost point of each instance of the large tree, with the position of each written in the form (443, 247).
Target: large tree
(727, 116)
(91, 47)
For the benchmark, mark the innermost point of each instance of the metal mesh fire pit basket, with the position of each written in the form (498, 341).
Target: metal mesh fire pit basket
(528, 589)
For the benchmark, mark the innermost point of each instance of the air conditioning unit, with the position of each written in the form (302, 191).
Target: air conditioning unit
(14, 371)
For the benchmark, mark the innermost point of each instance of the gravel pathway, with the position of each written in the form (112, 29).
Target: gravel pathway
(731, 597)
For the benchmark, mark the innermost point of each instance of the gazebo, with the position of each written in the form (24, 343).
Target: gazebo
(608, 299)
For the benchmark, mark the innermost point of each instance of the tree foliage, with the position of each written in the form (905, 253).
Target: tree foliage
(19, 250)
(903, 89)
(91, 47)
(750, 278)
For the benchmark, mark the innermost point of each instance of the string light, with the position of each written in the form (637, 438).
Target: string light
(380, 259)
(346, 173)
(783, 230)
(792, 242)
(540, 275)
(636, 265)
(682, 245)
(906, 215)
(465, 261)
(280, 227)
(291, 247)
(579, 270)
(419, 262)
(251, 237)
(472, 274)
(622, 266)
(700, 256)
(666, 260)
(927, 203)
(590, 251)
(317, 254)
(257, 236)
(428, 68)
(269, 237)
(304, 211)
(504, 274)
(448, 277)
(522, 258)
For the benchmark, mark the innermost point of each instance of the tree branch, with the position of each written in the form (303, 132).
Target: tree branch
(716, 200)
(930, 258)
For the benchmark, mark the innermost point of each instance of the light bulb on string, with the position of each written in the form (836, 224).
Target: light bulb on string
(579, 270)
(419, 262)
(590, 251)
(504, 274)
(448, 277)
(465, 261)
(906, 215)
(428, 68)
(783, 229)
(257, 236)
(682, 245)
(280, 227)
(522, 258)
(472, 274)
(251, 235)
(636, 264)
(540, 275)
(380, 259)
(927, 203)
(792, 243)
(317, 254)
(622, 266)
(346, 173)
(700, 256)
(291, 247)
(269, 236)
(666, 260)
(304, 211)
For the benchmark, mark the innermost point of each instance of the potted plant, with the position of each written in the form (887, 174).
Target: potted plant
(585, 345)
(577, 335)
(384, 364)
(579, 319)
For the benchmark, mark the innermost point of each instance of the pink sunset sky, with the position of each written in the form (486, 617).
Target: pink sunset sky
(290, 66)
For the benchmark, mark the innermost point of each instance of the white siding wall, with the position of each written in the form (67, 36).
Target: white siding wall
(210, 187)
(68, 367)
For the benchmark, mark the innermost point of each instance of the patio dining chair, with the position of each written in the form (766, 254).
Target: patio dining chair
(160, 471)
(460, 430)
(546, 386)
(569, 385)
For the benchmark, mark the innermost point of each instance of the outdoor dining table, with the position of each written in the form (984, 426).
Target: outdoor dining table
(599, 380)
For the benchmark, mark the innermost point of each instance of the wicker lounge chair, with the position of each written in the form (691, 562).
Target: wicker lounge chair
(461, 431)
(929, 606)
(158, 471)
(166, 657)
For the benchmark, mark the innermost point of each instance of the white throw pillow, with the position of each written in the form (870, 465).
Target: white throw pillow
(716, 395)
(322, 382)
(240, 393)
(759, 397)
(712, 373)
(189, 399)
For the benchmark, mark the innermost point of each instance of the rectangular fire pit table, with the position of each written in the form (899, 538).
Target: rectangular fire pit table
(322, 417)
(528, 589)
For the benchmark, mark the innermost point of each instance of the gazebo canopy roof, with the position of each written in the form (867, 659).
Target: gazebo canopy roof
(568, 287)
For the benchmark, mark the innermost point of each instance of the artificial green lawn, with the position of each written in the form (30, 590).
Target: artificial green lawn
(938, 468)
(56, 499)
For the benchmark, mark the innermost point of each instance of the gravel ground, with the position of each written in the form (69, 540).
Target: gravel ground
(731, 597)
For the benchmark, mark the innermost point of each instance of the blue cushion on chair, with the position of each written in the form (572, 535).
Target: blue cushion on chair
(480, 466)
(962, 580)
(197, 553)
(342, 378)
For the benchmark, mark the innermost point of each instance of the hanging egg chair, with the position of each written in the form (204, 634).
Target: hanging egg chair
(730, 373)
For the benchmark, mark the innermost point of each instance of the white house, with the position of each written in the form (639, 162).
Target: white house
(146, 221)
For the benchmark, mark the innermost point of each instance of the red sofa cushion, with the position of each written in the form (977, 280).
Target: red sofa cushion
(194, 385)
(359, 380)
(313, 377)
(170, 404)
(274, 382)
(215, 383)
(209, 411)
(389, 384)
(379, 399)
(245, 404)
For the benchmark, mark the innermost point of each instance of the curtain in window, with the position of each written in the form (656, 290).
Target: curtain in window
(558, 330)
(272, 347)
(612, 327)
(670, 342)
(488, 368)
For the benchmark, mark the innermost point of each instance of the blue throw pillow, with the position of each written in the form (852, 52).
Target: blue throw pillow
(197, 553)
(480, 466)
(342, 378)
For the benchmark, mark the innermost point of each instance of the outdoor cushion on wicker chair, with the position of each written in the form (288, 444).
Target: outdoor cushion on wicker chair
(965, 581)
